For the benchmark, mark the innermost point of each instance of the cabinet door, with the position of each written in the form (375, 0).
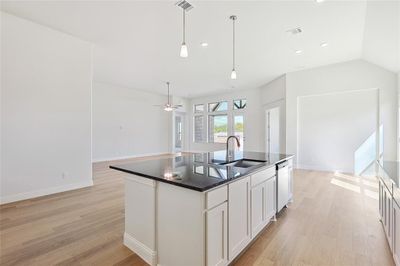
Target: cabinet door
(271, 197)
(396, 233)
(381, 200)
(290, 183)
(384, 207)
(217, 235)
(239, 216)
(258, 208)
(388, 212)
(390, 221)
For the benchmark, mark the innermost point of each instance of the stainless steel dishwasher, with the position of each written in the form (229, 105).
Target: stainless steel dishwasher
(282, 185)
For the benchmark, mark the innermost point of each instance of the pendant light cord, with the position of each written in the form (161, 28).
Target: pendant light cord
(234, 41)
(184, 25)
(168, 92)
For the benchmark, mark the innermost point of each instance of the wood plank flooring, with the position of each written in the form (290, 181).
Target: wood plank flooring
(333, 221)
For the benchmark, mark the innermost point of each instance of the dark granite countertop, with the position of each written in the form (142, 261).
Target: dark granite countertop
(200, 171)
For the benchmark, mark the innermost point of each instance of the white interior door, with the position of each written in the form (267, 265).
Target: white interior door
(178, 132)
(272, 130)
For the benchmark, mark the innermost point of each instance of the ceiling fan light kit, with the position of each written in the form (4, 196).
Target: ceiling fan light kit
(168, 107)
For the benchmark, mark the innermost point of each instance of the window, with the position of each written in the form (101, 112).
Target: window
(214, 121)
(198, 128)
(238, 129)
(218, 128)
(239, 104)
(218, 106)
(199, 108)
(198, 169)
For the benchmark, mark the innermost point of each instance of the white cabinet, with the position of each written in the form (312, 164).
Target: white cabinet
(262, 205)
(290, 167)
(217, 235)
(387, 217)
(271, 197)
(239, 216)
(381, 200)
(258, 208)
(396, 233)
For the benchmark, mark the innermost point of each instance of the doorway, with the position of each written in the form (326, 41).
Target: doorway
(178, 132)
(272, 130)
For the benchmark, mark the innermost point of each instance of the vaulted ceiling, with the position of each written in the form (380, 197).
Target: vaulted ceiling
(136, 44)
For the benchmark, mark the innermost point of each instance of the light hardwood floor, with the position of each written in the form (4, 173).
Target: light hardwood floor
(333, 221)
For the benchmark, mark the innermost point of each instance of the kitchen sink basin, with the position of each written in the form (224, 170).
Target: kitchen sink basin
(244, 163)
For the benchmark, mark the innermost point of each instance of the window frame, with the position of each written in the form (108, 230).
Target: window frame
(218, 102)
(242, 99)
(230, 113)
(198, 112)
(203, 129)
(208, 125)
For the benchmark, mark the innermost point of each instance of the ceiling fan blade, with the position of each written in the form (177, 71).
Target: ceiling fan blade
(158, 105)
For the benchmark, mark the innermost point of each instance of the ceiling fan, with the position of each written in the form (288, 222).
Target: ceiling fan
(168, 106)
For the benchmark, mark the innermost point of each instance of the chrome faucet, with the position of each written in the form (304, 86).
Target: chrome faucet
(228, 155)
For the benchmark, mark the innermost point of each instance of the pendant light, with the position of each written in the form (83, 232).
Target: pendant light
(186, 6)
(233, 73)
(184, 51)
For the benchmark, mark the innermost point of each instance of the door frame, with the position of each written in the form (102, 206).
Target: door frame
(280, 104)
(184, 133)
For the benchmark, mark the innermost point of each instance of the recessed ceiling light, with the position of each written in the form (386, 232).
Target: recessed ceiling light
(204, 44)
(324, 44)
(295, 31)
(298, 51)
(319, 1)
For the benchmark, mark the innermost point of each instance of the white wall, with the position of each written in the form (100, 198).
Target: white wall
(273, 95)
(274, 91)
(398, 116)
(338, 131)
(45, 110)
(253, 120)
(126, 124)
(348, 76)
(381, 44)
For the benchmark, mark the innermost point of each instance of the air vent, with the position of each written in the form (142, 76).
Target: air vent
(295, 31)
(184, 5)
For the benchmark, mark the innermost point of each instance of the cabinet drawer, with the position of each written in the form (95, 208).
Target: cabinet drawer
(263, 175)
(216, 196)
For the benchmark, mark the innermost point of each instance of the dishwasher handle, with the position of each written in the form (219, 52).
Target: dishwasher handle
(282, 165)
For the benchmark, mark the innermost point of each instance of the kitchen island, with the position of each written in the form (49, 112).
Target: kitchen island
(389, 204)
(201, 208)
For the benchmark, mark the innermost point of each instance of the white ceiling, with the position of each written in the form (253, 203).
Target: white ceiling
(136, 44)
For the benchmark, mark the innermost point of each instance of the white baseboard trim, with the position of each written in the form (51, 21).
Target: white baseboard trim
(146, 253)
(98, 160)
(44, 192)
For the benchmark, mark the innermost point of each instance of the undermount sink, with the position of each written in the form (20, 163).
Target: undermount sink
(244, 163)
